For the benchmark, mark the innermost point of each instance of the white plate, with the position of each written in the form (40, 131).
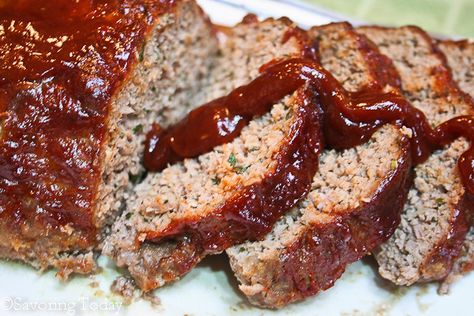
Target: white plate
(210, 289)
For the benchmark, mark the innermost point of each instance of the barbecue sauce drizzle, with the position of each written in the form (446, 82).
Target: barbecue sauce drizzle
(350, 118)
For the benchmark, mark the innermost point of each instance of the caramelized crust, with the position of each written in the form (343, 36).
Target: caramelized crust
(61, 64)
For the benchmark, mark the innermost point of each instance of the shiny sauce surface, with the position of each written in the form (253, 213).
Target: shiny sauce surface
(60, 63)
(350, 119)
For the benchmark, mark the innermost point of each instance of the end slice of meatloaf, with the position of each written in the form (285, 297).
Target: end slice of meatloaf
(355, 200)
(202, 206)
(79, 87)
(460, 56)
(434, 222)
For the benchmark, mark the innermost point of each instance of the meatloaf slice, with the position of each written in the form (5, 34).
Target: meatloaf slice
(355, 200)
(84, 77)
(202, 206)
(434, 222)
(460, 56)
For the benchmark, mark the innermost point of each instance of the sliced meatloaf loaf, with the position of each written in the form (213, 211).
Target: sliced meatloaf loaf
(434, 222)
(202, 206)
(78, 81)
(460, 56)
(356, 196)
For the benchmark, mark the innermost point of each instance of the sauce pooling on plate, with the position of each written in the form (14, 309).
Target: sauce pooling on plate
(350, 118)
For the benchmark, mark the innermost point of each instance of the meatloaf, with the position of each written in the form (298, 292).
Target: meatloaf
(78, 81)
(356, 196)
(434, 221)
(460, 56)
(203, 205)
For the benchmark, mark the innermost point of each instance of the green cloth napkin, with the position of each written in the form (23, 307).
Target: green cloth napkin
(449, 17)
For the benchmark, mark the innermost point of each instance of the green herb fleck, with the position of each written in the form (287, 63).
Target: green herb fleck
(216, 180)
(440, 201)
(233, 163)
(241, 249)
(241, 169)
(153, 89)
(141, 53)
(128, 215)
(232, 160)
(138, 129)
(137, 178)
(288, 115)
(394, 164)
(254, 149)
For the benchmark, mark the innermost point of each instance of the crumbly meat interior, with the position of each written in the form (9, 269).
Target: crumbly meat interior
(437, 190)
(460, 57)
(174, 65)
(196, 187)
(346, 181)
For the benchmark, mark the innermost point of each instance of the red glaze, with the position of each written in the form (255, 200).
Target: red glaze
(252, 211)
(219, 121)
(439, 262)
(61, 63)
(319, 257)
(309, 49)
(350, 118)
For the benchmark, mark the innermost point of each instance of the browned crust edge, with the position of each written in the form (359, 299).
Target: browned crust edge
(380, 67)
(461, 44)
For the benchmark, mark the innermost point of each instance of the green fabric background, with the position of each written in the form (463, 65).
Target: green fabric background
(450, 17)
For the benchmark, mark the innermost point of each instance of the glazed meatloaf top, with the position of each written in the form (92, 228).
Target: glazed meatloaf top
(355, 200)
(63, 64)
